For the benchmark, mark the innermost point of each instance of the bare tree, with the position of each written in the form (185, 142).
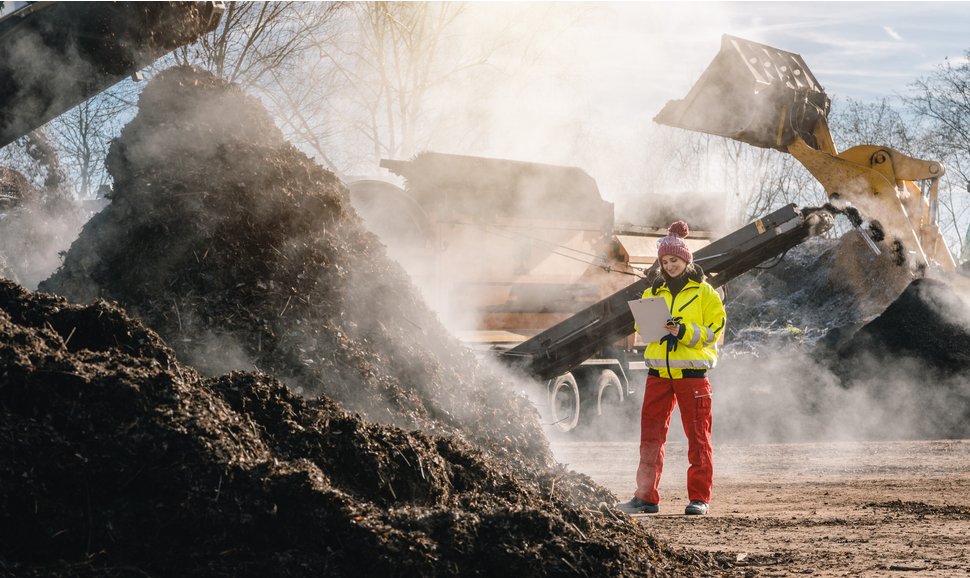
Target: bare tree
(942, 101)
(859, 123)
(83, 134)
(754, 181)
(254, 40)
(408, 72)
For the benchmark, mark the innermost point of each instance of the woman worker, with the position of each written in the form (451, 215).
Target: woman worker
(678, 365)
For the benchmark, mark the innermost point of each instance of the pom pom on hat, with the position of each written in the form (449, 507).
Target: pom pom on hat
(674, 244)
(680, 229)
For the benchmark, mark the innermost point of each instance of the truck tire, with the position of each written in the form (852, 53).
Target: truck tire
(609, 393)
(602, 397)
(564, 402)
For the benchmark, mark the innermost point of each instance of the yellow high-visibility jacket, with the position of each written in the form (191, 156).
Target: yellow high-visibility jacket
(703, 320)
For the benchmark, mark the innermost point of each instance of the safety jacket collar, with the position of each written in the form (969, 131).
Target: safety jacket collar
(691, 284)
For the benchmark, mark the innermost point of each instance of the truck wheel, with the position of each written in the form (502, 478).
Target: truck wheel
(602, 397)
(564, 401)
(609, 393)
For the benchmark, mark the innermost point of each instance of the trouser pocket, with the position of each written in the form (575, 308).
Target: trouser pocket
(703, 405)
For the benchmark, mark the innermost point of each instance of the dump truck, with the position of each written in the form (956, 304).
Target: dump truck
(528, 265)
(505, 249)
(56, 55)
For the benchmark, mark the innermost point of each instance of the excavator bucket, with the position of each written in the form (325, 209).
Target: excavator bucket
(755, 94)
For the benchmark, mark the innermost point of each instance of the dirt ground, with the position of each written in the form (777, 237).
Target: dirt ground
(820, 509)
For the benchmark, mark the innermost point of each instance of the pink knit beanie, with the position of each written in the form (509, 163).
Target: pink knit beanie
(674, 244)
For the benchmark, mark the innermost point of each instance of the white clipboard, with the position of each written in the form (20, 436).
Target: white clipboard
(650, 314)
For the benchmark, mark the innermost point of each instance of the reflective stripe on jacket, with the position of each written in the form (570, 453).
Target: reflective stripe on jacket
(703, 320)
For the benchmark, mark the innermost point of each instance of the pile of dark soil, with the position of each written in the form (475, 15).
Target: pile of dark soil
(928, 324)
(915, 359)
(116, 460)
(821, 287)
(244, 254)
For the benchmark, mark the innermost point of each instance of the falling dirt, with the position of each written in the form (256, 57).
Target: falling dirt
(821, 287)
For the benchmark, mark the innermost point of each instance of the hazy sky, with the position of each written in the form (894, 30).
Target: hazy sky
(633, 57)
(860, 50)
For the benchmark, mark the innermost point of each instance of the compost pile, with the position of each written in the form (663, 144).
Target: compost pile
(914, 357)
(928, 323)
(116, 460)
(823, 287)
(244, 254)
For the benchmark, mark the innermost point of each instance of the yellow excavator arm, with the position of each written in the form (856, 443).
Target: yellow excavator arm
(768, 98)
(879, 181)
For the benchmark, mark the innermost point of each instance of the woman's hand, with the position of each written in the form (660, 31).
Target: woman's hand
(673, 326)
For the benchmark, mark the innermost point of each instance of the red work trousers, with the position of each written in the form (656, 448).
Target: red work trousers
(694, 397)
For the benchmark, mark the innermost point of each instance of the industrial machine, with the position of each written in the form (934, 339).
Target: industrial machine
(768, 98)
(56, 55)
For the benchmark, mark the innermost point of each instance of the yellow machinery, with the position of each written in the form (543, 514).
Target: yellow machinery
(768, 98)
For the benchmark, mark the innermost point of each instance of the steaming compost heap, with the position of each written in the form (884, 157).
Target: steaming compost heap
(922, 338)
(116, 458)
(242, 253)
(928, 323)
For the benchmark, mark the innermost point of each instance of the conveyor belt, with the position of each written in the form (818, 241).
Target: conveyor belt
(566, 345)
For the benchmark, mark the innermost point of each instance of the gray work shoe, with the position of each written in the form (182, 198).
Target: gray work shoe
(638, 506)
(696, 508)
